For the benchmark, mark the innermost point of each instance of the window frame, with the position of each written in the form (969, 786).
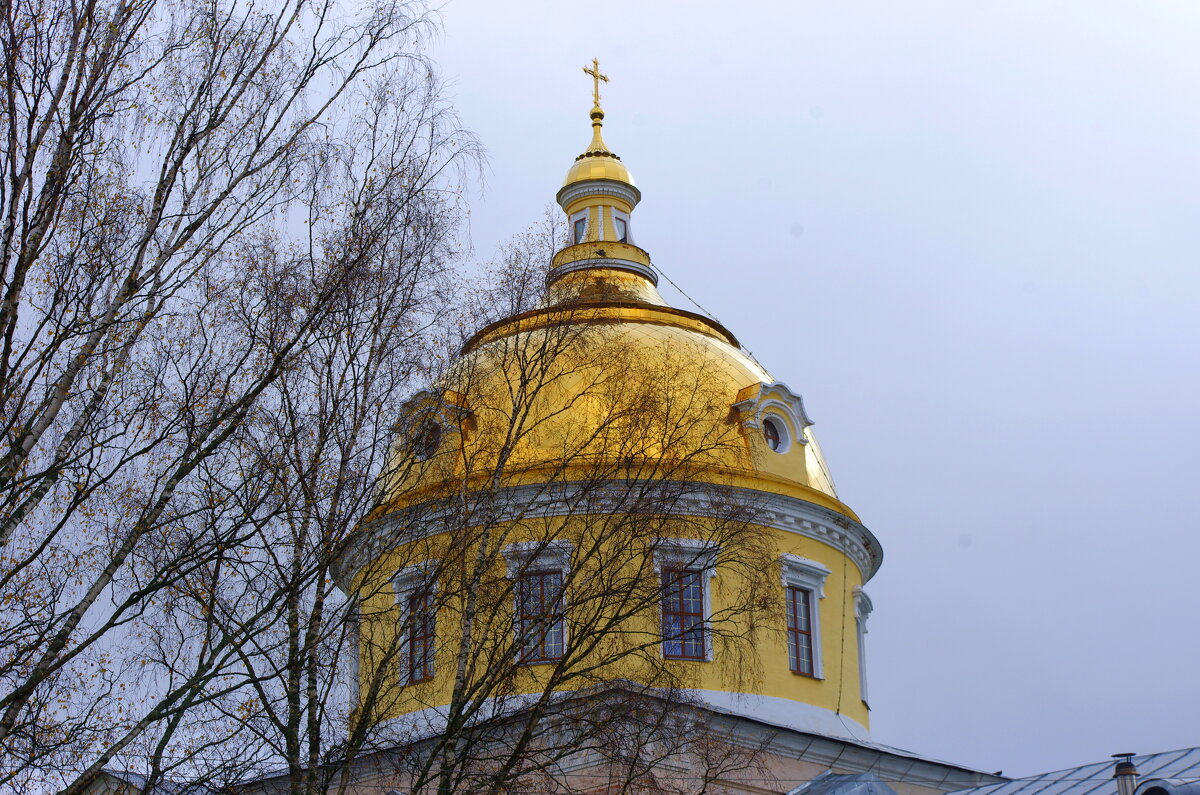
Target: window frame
(622, 218)
(808, 575)
(576, 236)
(672, 583)
(422, 635)
(408, 583)
(773, 425)
(795, 632)
(538, 558)
(691, 554)
(533, 646)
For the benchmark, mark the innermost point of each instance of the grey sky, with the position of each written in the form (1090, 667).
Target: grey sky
(967, 233)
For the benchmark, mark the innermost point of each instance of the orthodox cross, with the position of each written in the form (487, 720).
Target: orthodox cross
(596, 78)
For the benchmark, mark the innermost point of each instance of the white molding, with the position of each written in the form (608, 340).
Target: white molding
(863, 607)
(598, 187)
(810, 575)
(777, 727)
(410, 578)
(531, 556)
(776, 511)
(776, 398)
(690, 553)
(803, 573)
(862, 610)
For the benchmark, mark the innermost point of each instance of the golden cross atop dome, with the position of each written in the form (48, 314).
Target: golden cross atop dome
(596, 78)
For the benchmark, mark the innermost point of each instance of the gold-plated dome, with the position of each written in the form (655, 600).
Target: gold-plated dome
(598, 161)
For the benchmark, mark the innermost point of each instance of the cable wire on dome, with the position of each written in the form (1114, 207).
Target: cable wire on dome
(696, 304)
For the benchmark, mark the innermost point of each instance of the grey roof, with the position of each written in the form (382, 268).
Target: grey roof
(829, 783)
(1097, 778)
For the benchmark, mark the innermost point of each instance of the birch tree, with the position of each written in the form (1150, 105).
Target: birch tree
(202, 204)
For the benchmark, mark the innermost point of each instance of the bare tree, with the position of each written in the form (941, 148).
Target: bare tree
(223, 224)
(226, 239)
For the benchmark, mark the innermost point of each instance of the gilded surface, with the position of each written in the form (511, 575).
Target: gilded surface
(604, 384)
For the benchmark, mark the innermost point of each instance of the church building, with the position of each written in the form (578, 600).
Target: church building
(611, 555)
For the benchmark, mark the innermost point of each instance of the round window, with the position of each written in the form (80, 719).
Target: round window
(426, 439)
(775, 435)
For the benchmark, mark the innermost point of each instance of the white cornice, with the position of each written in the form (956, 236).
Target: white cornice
(776, 511)
(598, 187)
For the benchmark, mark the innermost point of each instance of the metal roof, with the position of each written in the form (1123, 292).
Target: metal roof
(830, 783)
(1097, 778)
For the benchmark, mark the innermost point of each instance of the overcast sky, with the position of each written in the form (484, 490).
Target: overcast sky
(968, 234)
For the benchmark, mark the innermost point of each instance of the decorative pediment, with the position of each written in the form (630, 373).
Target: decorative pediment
(428, 417)
(447, 404)
(757, 400)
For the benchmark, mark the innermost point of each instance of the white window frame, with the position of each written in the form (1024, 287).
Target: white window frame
(406, 583)
(782, 425)
(618, 215)
(529, 557)
(862, 610)
(798, 572)
(582, 215)
(690, 554)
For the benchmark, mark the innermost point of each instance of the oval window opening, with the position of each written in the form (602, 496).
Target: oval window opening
(773, 433)
(427, 439)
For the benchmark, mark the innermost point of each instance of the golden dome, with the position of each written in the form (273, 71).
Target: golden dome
(598, 161)
(604, 351)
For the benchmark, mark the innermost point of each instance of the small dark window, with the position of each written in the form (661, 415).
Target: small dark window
(622, 229)
(420, 636)
(580, 229)
(773, 435)
(799, 628)
(683, 614)
(426, 439)
(540, 616)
